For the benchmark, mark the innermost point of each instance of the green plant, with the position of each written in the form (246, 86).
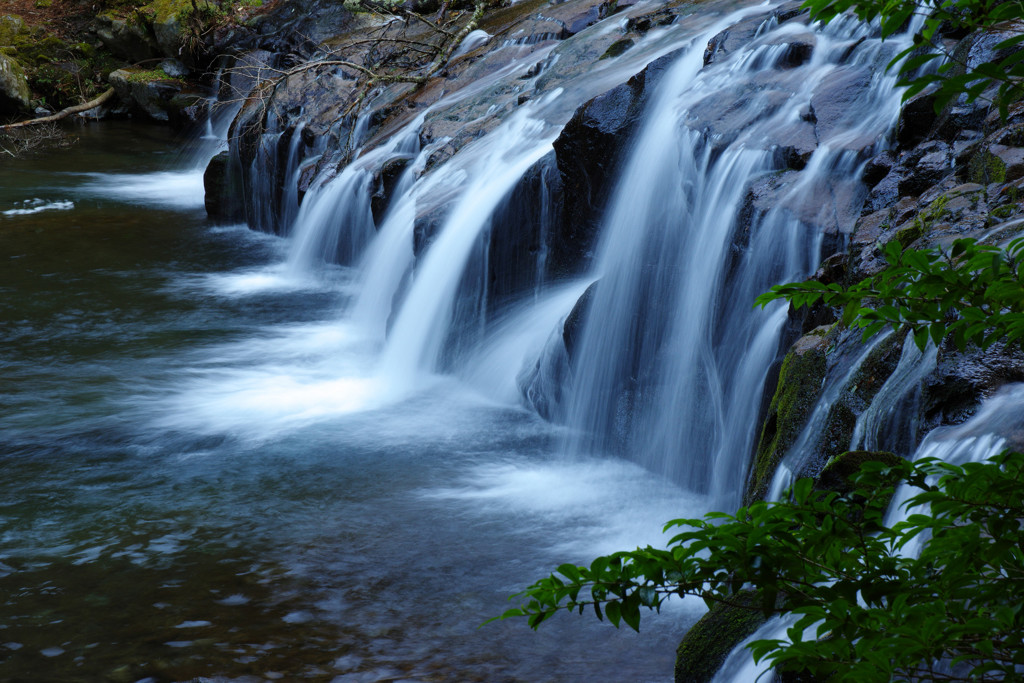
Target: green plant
(973, 292)
(865, 608)
(944, 17)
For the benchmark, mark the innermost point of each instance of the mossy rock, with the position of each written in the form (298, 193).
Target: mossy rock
(12, 27)
(986, 168)
(14, 94)
(800, 379)
(837, 475)
(706, 646)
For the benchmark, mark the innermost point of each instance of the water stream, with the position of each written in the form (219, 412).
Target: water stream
(246, 456)
(192, 486)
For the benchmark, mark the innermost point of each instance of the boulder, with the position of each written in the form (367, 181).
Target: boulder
(223, 197)
(837, 475)
(799, 384)
(14, 94)
(708, 643)
(157, 96)
(129, 39)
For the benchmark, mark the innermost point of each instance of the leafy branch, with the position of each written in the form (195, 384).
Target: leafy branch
(954, 77)
(865, 609)
(973, 292)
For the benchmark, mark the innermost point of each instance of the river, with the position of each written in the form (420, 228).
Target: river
(195, 483)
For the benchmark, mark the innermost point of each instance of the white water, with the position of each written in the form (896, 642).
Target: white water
(674, 359)
(997, 425)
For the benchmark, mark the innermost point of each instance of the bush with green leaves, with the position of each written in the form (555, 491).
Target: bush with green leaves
(865, 608)
(972, 292)
(955, 76)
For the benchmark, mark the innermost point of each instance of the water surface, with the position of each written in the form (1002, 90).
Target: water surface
(198, 480)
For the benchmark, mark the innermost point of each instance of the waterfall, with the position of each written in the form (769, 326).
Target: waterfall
(836, 382)
(998, 424)
(892, 410)
(422, 322)
(673, 360)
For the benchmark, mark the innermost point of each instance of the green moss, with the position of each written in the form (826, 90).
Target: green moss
(909, 234)
(147, 76)
(617, 48)
(800, 378)
(923, 221)
(1004, 212)
(986, 168)
(705, 646)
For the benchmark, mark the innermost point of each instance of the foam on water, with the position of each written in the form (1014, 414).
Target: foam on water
(32, 206)
(170, 189)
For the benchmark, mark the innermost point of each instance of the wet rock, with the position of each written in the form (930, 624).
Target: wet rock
(708, 643)
(587, 153)
(739, 35)
(14, 94)
(384, 181)
(878, 167)
(962, 379)
(543, 383)
(838, 473)
(223, 198)
(916, 118)
(930, 163)
(799, 384)
(521, 227)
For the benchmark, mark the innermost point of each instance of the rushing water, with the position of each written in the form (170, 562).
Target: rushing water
(194, 485)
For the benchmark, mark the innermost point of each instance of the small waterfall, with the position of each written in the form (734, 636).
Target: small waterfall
(997, 425)
(835, 383)
(673, 359)
(335, 222)
(893, 409)
(421, 325)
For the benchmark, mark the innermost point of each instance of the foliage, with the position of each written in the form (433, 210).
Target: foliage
(865, 606)
(954, 77)
(973, 292)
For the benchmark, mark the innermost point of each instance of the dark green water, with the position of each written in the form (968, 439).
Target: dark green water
(186, 492)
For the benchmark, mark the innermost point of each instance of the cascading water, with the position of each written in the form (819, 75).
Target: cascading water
(997, 425)
(422, 323)
(803, 449)
(673, 359)
(887, 424)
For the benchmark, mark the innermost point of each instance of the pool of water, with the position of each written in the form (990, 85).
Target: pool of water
(198, 482)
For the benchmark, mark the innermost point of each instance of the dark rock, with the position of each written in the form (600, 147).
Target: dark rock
(799, 384)
(542, 383)
(878, 167)
(521, 229)
(961, 380)
(156, 95)
(917, 118)
(572, 329)
(128, 39)
(837, 475)
(740, 35)
(223, 191)
(618, 47)
(384, 182)
(587, 153)
(707, 645)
